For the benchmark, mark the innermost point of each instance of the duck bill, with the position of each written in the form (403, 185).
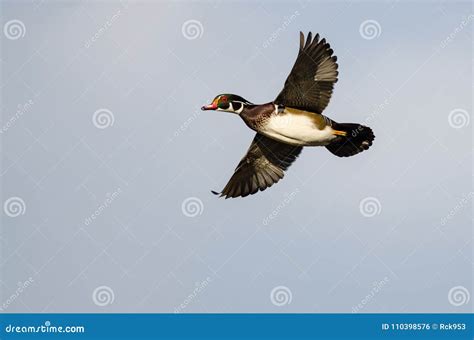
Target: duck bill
(209, 107)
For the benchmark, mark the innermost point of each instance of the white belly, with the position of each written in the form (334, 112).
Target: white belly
(297, 129)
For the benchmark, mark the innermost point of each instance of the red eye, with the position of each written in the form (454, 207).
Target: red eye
(224, 99)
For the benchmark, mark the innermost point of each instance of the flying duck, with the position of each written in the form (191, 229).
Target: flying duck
(290, 122)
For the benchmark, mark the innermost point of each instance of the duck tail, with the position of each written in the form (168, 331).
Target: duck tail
(352, 139)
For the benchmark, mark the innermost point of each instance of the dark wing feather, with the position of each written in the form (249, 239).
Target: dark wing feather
(262, 166)
(311, 81)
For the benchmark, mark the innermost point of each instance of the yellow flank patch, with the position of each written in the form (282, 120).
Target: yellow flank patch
(340, 133)
(318, 119)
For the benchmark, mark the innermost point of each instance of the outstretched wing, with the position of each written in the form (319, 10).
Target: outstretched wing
(311, 81)
(262, 166)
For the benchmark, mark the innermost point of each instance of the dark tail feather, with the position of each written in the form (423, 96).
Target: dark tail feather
(357, 139)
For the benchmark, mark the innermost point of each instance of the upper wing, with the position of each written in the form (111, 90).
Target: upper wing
(264, 164)
(312, 78)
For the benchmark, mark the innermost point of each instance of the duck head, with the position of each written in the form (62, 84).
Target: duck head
(228, 103)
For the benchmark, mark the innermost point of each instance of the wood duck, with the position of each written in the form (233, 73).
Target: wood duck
(290, 122)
